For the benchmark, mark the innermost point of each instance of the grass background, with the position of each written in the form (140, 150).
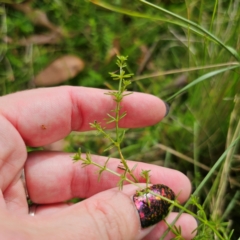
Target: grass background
(175, 45)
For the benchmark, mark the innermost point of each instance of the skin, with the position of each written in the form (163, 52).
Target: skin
(42, 116)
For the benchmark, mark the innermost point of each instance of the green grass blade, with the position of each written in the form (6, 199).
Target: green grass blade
(202, 78)
(183, 23)
(214, 14)
(231, 205)
(196, 26)
(139, 15)
(202, 184)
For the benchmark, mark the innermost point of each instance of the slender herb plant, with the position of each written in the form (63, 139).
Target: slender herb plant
(207, 228)
(114, 117)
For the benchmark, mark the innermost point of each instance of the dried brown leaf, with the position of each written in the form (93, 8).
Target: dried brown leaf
(49, 38)
(59, 71)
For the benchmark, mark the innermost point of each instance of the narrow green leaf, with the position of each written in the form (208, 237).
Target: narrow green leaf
(134, 167)
(127, 94)
(77, 156)
(111, 117)
(202, 78)
(122, 136)
(109, 147)
(128, 75)
(181, 21)
(100, 173)
(123, 115)
(196, 26)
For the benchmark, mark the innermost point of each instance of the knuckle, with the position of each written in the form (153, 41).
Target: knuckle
(110, 221)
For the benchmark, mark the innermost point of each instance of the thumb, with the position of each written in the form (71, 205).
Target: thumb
(108, 215)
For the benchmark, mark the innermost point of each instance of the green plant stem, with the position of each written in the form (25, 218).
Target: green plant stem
(217, 212)
(117, 111)
(116, 143)
(174, 203)
(117, 119)
(123, 161)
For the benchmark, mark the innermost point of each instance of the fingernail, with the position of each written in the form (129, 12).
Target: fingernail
(167, 108)
(152, 209)
(198, 222)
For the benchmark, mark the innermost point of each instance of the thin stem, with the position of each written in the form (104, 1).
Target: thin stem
(124, 162)
(117, 120)
(174, 203)
(114, 173)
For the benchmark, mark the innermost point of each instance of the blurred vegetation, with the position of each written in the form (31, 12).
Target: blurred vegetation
(166, 53)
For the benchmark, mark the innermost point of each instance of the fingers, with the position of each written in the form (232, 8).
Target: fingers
(53, 177)
(12, 155)
(15, 198)
(108, 215)
(43, 116)
(186, 223)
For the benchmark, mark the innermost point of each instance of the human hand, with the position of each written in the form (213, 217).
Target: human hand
(42, 116)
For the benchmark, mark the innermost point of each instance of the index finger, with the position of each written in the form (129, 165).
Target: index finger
(52, 177)
(42, 116)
